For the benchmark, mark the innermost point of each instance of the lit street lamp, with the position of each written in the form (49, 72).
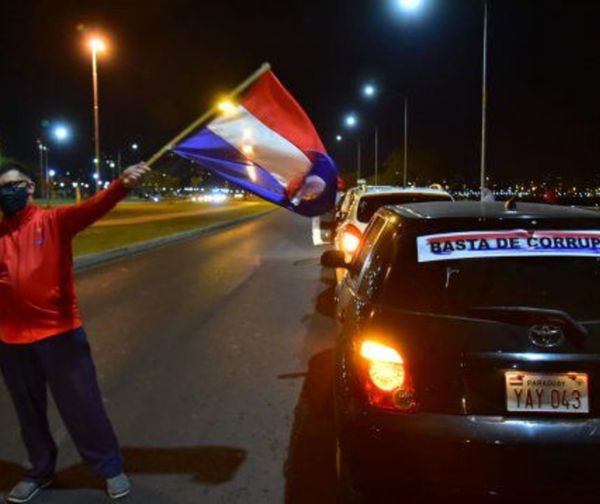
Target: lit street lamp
(351, 122)
(410, 5)
(414, 5)
(484, 97)
(369, 91)
(97, 46)
(134, 147)
(43, 153)
(60, 133)
(50, 175)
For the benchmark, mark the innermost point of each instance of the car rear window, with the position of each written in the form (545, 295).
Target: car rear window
(566, 283)
(370, 203)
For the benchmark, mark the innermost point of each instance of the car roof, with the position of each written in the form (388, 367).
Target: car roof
(370, 190)
(493, 210)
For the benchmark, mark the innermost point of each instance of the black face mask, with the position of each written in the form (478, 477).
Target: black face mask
(13, 199)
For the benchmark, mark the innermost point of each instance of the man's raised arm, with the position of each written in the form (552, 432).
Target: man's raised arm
(76, 218)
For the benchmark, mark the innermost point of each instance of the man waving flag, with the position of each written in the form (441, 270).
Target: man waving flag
(267, 145)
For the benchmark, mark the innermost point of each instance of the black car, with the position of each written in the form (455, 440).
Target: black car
(469, 353)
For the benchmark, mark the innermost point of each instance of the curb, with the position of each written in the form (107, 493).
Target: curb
(89, 261)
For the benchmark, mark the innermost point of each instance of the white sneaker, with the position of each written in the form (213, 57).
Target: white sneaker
(25, 491)
(118, 487)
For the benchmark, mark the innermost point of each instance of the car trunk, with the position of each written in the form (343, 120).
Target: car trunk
(458, 364)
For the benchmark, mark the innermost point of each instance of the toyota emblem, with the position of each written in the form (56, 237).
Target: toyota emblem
(546, 336)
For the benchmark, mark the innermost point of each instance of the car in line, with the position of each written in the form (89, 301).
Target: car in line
(367, 201)
(324, 226)
(469, 352)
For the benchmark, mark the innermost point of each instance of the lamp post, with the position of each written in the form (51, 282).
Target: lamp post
(369, 91)
(412, 6)
(484, 98)
(49, 176)
(60, 134)
(43, 158)
(133, 147)
(97, 45)
(351, 122)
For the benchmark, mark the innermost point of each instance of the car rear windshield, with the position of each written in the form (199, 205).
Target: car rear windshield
(570, 284)
(370, 203)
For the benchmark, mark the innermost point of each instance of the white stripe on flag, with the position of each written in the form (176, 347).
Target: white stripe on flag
(262, 145)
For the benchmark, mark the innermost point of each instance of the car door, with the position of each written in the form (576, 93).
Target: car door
(374, 271)
(347, 289)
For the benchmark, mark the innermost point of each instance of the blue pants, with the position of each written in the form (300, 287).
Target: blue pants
(64, 364)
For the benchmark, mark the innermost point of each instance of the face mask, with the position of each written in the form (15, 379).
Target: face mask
(13, 199)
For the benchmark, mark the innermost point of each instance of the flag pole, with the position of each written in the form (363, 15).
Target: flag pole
(264, 68)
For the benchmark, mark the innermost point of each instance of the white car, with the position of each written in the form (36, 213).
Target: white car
(365, 201)
(324, 226)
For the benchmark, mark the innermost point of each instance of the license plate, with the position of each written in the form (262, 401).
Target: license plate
(547, 393)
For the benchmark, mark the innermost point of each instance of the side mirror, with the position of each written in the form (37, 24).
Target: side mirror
(322, 230)
(334, 259)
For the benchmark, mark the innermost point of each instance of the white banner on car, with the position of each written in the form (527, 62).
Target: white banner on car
(507, 243)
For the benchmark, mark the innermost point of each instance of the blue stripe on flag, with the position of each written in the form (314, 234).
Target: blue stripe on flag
(218, 156)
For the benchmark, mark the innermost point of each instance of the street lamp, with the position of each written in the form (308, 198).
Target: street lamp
(43, 153)
(50, 174)
(97, 46)
(351, 122)
(484, 98)
(410, 5)
(369, 91)
(339, 138)
(414, 5)
(61, 133)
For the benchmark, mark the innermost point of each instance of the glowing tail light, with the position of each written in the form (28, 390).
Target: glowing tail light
(350, 239)
(385, 377)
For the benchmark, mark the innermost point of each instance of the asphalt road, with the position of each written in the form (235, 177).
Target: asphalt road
(214, 358)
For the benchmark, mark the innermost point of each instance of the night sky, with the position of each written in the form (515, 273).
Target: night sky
(169, 60)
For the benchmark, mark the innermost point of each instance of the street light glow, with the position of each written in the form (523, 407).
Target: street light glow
(351, 121)
(97, 45)
(61, 133)
(410, 5)
(135, 146)
(339, 138)
(369, 90)
(51, 173)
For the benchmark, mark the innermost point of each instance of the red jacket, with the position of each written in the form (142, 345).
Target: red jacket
(37, 289)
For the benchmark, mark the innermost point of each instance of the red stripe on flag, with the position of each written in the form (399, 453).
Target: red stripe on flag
(275, 107)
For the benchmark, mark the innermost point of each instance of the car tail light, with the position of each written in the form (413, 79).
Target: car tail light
(385, 378)
(351, 236)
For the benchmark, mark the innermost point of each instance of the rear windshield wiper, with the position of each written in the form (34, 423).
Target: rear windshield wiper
(530, 316)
